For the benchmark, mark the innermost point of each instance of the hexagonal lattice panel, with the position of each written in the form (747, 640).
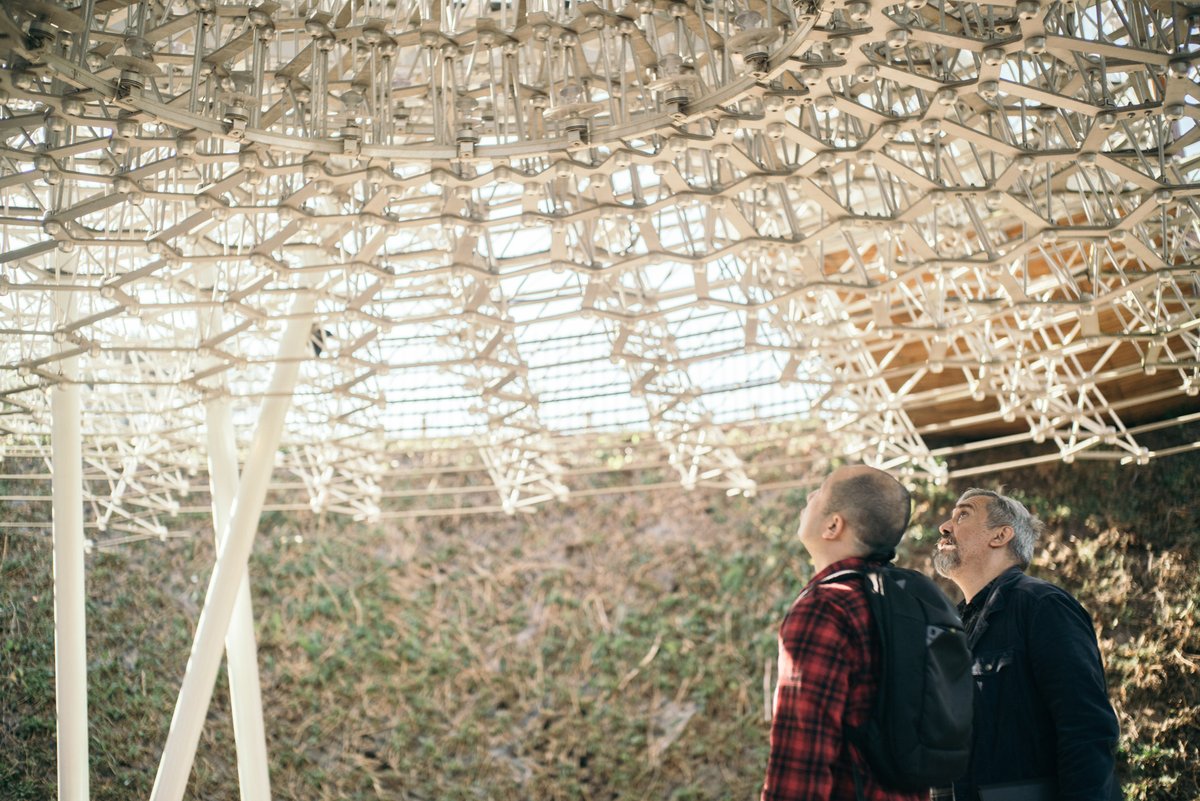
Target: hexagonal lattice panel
(525, 225)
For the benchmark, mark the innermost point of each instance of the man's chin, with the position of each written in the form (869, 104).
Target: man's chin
(946, 562)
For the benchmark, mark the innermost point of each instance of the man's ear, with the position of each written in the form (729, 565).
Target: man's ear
(835, 526)
(1002, 537)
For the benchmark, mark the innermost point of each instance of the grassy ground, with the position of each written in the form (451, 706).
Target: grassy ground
(616, 647)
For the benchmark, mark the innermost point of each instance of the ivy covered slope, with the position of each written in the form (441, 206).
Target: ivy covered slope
(611, 647)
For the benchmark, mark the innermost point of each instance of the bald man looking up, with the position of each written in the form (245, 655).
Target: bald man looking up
(828, 653)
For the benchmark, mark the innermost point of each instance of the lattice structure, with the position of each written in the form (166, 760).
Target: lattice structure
(379, 235)
(517, 452)
(648, 350)
(892, 204)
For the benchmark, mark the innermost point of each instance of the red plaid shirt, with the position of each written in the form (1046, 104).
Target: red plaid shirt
(827, 683)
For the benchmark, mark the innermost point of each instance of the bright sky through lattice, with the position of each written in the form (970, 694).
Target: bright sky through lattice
(922, 219)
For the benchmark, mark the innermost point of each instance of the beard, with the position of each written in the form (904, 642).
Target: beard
(946, 561)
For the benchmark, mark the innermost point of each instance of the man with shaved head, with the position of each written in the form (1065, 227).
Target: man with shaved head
(828, 655)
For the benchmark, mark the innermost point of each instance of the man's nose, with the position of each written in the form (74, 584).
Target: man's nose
(944, 528)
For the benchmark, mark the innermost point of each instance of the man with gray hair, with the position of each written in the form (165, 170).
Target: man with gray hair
(1044, 729)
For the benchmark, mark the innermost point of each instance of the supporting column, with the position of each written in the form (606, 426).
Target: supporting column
(241, 648)
(230, 569)
(70, 630)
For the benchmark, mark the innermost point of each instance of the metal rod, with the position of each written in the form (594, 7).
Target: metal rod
(70, 628)
(241, 647)
(196, 691)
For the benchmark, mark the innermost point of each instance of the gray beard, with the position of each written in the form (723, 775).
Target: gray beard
(946, 562)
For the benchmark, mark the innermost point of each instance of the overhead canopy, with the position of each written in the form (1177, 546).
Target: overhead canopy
(527, 226)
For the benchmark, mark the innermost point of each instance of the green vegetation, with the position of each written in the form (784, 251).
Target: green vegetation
(610, 647)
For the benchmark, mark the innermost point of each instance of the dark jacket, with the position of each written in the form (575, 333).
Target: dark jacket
(1041, 705)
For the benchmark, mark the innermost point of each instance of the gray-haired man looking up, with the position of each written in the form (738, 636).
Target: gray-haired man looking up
(1044, 729)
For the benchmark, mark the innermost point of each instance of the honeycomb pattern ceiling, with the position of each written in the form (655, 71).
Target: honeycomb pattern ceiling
(514, 232)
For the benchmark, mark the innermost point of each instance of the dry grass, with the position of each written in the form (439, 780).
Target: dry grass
(613, 647)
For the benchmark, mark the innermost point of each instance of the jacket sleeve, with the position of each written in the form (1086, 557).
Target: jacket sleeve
(814, 684)
(1070, 678)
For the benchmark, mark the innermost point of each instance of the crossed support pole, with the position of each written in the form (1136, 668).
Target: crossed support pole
(229, 580)
(241, 648)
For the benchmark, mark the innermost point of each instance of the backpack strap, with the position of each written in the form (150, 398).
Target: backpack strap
(829, 579)
(840, 574)
(858, 781)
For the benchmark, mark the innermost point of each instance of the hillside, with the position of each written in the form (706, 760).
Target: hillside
(608, 647)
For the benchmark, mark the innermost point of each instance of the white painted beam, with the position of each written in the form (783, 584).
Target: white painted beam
(194, 695)
(70, 624)
(241, 647)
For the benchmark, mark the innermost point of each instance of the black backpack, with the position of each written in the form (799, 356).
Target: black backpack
(919, 732)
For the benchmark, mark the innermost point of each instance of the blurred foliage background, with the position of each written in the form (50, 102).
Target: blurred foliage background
(612, 647)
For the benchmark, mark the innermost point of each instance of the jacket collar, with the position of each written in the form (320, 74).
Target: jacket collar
(996, 585)
(1001, 584)
(992, 597)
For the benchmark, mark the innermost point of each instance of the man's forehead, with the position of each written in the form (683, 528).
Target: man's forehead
(974, 502)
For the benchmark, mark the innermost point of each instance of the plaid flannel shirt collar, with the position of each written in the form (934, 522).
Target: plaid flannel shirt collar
(852, 563)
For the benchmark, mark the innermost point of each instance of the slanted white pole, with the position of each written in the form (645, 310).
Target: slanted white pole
(241, 648)
(230, 569)
(70, 629)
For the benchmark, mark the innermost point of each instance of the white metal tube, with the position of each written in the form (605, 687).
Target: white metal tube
(241, 648)
(70, 629)
(196, 691)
